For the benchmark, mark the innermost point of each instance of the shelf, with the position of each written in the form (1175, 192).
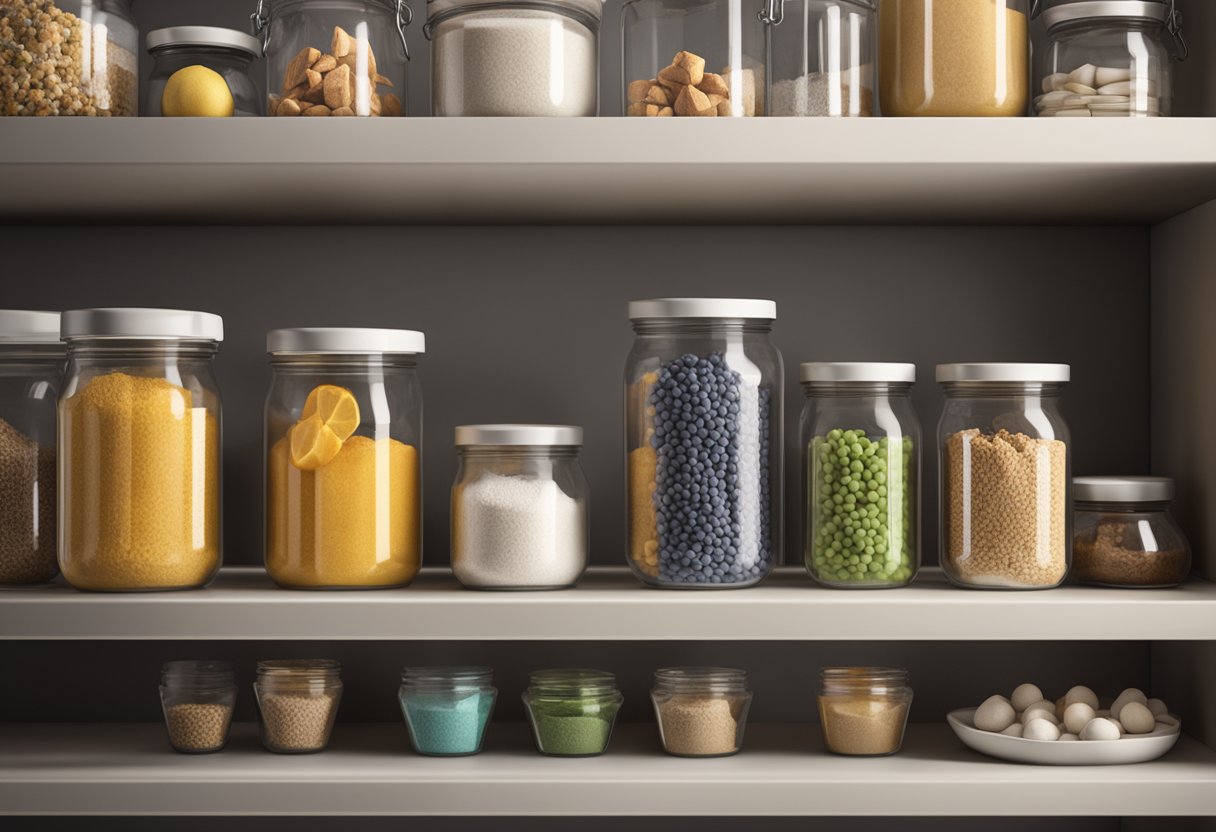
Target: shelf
(609, 604)
(609, 170)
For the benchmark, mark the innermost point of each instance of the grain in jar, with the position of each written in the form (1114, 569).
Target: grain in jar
(863, 711)
(1125, 534)
(198, 698)
(701, 711)
(297, 703)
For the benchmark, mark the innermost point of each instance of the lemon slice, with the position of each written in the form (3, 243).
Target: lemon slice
(330, 417)
(313, 444)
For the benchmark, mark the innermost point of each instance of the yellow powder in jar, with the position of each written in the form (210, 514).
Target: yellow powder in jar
(643, 467)
(353, 522)
(139, 486)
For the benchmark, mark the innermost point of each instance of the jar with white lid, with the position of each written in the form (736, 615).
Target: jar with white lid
(140, 450)
(514, 57)
(1124, 534)
(1109, 58)
(1005, 476)
(824, 54)
(213, 62)
(519, 507)
(31, 369)
(343, 463)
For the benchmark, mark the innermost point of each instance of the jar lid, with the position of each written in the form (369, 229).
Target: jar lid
(1091, 9)
(518, 435)
(298, 667)
(703, 308)
(593, 8)
(190, 673)
(25, 326)
(324, 339)
(860, 371)
(203, 36)
(1123, 489)
(1017, 373)
(171, 324)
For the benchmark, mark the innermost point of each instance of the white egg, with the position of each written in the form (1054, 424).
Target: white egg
(1069, 738)
(1080, 693)
(1038, 712)
(1137, 718)
(1100, 729)
(995, 714)
(1024, 696)
(1157, 707)
(1129, 695)
(1119, 725)
(1014, 730)
(1041, 729)
(1044, 704)
(1077, 716)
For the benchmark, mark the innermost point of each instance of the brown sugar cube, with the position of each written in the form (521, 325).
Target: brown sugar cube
(288, 107)
(392, 106)
(316, 95)
(712, 84)
(666, 111)
(658, 95)
(715, 100)
(638, 90)
(297, 92)
(382, 81)
(272, 105)
(343, 111)
(652, 110)
(339, 88)
(351, 59)
(317, 110)
(325, 63)
(693, 102)
(724, 108)
(637, 108)
(294, 76)
(375, 105)
(314, 78)
(342, 43)
(686, 68)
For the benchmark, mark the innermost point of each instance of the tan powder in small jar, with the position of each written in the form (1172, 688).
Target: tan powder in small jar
(864, 710)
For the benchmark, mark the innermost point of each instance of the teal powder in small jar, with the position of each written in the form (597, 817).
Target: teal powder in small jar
(572, 711)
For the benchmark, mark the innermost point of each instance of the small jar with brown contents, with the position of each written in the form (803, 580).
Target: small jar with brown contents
(701, 711)
(297, 704)
(198, 698)
(1125, 535)
(863, 711)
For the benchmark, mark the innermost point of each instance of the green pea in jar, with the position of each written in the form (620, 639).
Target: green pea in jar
(572, 711)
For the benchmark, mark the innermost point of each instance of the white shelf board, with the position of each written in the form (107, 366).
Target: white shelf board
(609, 604)
(128, 769)
(607, 170)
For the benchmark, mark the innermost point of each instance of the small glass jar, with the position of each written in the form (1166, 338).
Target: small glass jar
(703, 428)
(861, 454)
(514, 57)
(572, 711)
(1005, 476)
(718, 68)
(227, 53)
(1124, 534)
(701, 711)
(334, 57)
(823, 57)
(1109, 59)
(447, 709)
(519, 507)
(31, 368)
(297, 703)
(140, 450)
(198, 699)
(69, 58)
(343, 467)
(954, 57)
(863, 711)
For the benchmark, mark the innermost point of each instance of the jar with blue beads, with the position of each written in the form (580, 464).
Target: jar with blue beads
(703, 425)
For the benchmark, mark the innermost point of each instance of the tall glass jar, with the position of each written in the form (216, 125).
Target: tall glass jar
(519, 507)
(221, 55)
(863, 711)
(1125, 535)
(701, 711)
(861, 457)
(343, 465)
(31, 368)
(1005, 475)
(694, 57)
(954, 57)
(823, 58)
(703, 429)
(572, 711)
(198, 698)
(297, 703)
(139, 450)
(69, 58)
(447, 709)
(334, 57)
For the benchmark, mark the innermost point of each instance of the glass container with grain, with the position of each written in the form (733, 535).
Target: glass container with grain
(572, 711)
(297, 703)
(198, 698)
(701, 711)
(447, 709)
(863, 711)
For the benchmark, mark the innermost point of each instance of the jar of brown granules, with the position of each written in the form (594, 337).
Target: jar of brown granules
(297, 703)
(1124, 534)
(198, 698)
(701, 711)
(864, 710)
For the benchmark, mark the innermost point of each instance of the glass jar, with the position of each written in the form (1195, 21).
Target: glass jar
(1112, 58)
(1124, 534)
(861, 454)
(226, 53)
(703, 428)
(139, 450)
(720, 52)
(823, 56)
(69, 58)
(572, 711)
(31, 367)
(701, 711)
(198, 699)
(1005, 476)
(343, 467)
(514, 57)
(863, 711)
(519, 507)
(297, 703)
(954, 57)
(334, 57)
(447, 709)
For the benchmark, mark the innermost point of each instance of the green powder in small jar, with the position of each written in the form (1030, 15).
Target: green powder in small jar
(572, 711)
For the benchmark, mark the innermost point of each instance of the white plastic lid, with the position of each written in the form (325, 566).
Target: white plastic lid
(860, 371)
(24, 326)
(594, 8)
(169, 324)
(1123, 489)
(1016, 373)
(518, 435)
(327, 339)
(703, 308)
(204, 36)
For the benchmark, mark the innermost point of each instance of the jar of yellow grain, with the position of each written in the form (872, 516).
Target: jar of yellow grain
(343, 472)
(139, 450)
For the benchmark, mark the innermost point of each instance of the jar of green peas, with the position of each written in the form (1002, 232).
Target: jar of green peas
(861, 458)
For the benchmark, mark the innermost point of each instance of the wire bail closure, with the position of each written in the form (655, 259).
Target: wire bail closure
(260, 23)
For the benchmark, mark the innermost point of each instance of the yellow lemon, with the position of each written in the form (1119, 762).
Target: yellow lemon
(330, 417)
(197, 91)
(313, 444)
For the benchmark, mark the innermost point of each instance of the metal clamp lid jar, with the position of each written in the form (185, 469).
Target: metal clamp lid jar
(219, 61)
(1124, 534)
(823, 55)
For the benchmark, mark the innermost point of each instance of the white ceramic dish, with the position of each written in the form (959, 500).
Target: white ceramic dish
(1126, 750)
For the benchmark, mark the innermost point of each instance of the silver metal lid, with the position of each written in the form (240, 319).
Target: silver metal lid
(592, 8)
(203, 36)
(1003, 373)
(25, 326)
(567, 435)
(325, 339)
(1123, 489)
(703, 308)
(1092, 9)
(166, 324)
(859, 371)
